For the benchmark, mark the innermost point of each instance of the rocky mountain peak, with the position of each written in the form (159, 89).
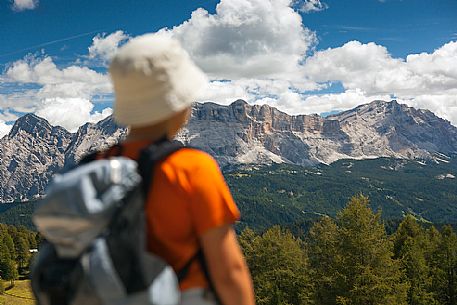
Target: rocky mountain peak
(31, 124)
(407, 132)
(236, 134)
(37, 127)
(91, 137)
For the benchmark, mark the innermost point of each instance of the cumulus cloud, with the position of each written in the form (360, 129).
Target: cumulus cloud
(260, 51)
(339, 101)
(7, 116)
(308, 6)
(297, 103)
(53, 82)
(21, 5)
(370, 67)
(254, 90)
(70, 113)
(257, 50)
(105, 46)
(72, 81)
(257, 39)
(61, 95)
(4, 128)
(443, 105)
(252, 49)
(425, 80)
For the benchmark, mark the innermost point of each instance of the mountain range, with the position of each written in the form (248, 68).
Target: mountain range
(235, 135)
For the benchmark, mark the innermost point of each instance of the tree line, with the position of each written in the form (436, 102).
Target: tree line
(15, 256)
(351, 260)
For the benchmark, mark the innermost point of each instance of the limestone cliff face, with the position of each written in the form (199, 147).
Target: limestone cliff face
(241, 133)
(91, 137)
(394, 130)
(31, 153)
(236, 134)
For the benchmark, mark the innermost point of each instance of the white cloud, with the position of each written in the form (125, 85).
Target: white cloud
(443, 105)
(4, 128)
(257, 39)
(21, 5)
(295, 103)
(252, 49)
(7, 116)
(371, 68)
(105, 46)
(62, 95)
(225, 92)
(339, 101)
(308, 6)
(439, 68)
(73, 81)
(425, 80)
(70, 113)
(255, 50)
(253, 90)
(70, 82)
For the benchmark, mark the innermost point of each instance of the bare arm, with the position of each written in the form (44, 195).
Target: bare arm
(227, 266)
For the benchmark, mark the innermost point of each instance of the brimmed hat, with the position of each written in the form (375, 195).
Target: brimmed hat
(153, 78)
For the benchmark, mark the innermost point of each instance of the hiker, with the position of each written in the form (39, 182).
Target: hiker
(189, 206)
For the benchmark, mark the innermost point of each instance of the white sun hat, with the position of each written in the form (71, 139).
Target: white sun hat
(153, 78)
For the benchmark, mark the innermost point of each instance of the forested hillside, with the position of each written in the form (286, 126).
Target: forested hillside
(294, 196)
(287, 194)
(350, 259)
(15, 256)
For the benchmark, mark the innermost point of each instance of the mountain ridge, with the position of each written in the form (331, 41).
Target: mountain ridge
(236, 134)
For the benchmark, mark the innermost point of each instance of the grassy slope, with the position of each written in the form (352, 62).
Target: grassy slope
(20, 294)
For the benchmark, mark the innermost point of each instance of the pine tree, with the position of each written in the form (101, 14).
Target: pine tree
(362, 269)
(325, 258)
(410, 247)
(8, 242)
(407, 229)
(279, 267)
(8, 270)
(22, 251)
(445, 264)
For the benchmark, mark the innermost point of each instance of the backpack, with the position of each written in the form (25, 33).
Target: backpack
(93, 222)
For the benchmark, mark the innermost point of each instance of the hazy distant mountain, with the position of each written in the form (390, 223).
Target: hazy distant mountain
(236, 134)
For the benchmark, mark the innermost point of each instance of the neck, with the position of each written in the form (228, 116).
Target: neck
(139, 135)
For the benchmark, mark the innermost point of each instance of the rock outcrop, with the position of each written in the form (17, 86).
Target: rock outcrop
(236, 134)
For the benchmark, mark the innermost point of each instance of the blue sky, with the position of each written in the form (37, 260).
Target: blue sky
(305, 56)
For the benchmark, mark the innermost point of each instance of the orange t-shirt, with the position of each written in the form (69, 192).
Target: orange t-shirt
(189, 196)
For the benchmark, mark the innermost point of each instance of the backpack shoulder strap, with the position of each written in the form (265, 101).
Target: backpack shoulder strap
(151, 155)
(115, 150)
(88, 158)
(148, 158)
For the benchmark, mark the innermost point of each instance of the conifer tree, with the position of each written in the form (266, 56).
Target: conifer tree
(7, 241)
(410, 247)
(326, 260)
(22, 251)
(279, 267)
(446, 267)
(8, 270)
(363, 271)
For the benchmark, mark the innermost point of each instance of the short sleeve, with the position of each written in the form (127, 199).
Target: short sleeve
(211, 204)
